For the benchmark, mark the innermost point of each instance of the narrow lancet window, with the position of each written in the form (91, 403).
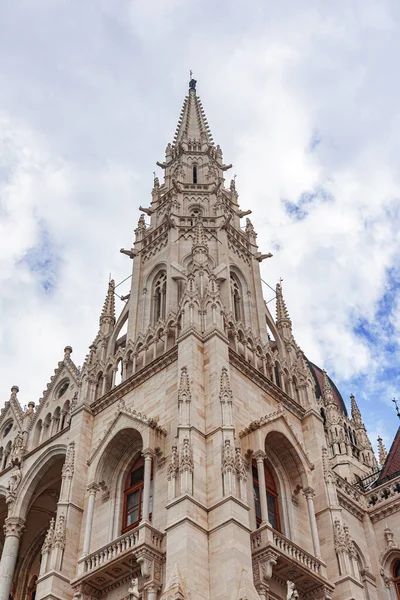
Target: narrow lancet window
(236, 298)
(159, 298)
(194, 173)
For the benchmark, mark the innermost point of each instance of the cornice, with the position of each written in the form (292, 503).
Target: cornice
(135, 380)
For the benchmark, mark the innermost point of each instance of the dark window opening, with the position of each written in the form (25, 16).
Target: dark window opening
(194, 174)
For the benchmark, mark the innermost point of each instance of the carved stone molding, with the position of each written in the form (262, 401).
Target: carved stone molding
(263, 567)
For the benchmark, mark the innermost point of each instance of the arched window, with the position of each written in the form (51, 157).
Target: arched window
(133, 496)
(272, 497)
(277, 375)
(396, 577)
(7, 428)
(236, 298)
(194, 173)
(159, 297)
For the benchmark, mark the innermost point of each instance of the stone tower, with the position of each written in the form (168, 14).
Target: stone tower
(198, 454)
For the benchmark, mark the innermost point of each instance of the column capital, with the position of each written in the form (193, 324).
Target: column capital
(93, 488)
(14, 526)
(148, 453)
(259, 455)
(309, 492)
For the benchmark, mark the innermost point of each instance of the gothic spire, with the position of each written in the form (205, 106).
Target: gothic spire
(282, 313)
(192, 123)
(355, 412)
(107, 317)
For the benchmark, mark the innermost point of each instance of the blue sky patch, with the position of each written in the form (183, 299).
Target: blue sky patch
(42, 261)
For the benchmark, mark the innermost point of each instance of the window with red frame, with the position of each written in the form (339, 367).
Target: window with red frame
(396, 577)
(272, 497)
(133, 496)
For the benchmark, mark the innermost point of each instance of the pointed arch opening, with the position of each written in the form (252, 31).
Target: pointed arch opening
(396, 577)
(133, 496)
(272, 496)
(159, 297)
(236, 298)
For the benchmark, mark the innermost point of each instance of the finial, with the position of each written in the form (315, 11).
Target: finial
(67, 351)
(192, 82)
(397, 407)
(14, 390)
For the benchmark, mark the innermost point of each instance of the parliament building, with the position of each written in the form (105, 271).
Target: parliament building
(197, 454)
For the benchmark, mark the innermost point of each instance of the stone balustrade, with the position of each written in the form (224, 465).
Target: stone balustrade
(387, 490)
(144, 534)
(267, 537)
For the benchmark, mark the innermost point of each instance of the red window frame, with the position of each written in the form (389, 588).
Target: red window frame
(396, 577)
(272, 493)
(130, 489)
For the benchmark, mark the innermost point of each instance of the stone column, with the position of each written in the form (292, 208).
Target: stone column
(309, 494)
(151, 593)
(148, 457)
(259, 455)
(13, 529)
(93, 488)
(43, 433)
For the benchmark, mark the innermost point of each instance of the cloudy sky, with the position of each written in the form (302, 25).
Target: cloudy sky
(303, 97)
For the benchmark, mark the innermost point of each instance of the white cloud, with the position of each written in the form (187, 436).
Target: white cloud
(302, 98)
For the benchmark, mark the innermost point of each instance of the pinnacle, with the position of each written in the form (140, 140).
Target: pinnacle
(355, 411)
(382, 452)
(108, 311)
(327, 391)
(192, 122)
(282, 313)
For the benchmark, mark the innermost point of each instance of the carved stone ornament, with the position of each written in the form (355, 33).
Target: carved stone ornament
(134, 589)
(186, 457)
(14, 526)
(68, 466)
(84, 591)
(291, 591)
(240, 465)
(13, 484)
(173, 466)
(389, 537)
(339, 537)
(228, 458)
(150, 567)
(59, 533)
(263, 568)
(48, 540)
(18, 449)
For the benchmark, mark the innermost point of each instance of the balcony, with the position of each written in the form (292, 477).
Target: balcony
(111, 563)
(273, 553)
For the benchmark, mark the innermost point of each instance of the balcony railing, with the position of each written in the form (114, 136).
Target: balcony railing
(111, 562)
(266, 536)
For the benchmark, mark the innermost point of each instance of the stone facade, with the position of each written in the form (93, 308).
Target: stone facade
(255, 483)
